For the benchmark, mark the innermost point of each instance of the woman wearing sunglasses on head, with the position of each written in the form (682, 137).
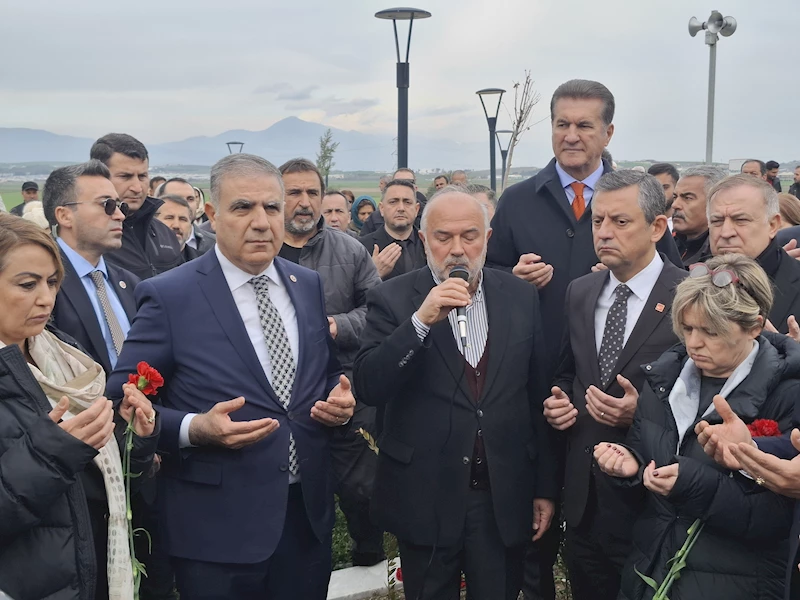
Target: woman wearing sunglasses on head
(63, 523)
(718, 313)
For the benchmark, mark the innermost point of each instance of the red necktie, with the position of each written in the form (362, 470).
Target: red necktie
(578, 204)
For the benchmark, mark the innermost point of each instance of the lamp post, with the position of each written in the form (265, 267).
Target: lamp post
(231, 145)
(403, 80)
(503, 150)
(492, 121)
(715, 25)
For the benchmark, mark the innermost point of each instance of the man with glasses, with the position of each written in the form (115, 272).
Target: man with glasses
(95, 304)
(148, 246)
(396, 247)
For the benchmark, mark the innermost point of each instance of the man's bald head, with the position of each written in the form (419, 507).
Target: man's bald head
(455, 230)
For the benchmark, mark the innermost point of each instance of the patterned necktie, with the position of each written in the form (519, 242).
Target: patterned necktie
(578, 204)
(280, 354)
(614, 333)
(117, 337)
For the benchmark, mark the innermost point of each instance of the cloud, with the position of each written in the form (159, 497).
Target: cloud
(334, 107)
(284, 91)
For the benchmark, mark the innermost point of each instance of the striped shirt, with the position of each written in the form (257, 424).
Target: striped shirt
(477, 326)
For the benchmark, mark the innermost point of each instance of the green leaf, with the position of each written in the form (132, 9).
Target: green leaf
(648, 580)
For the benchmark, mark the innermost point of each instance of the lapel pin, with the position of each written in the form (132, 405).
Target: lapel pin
(293, 278)
(660, 307)
(123, 285)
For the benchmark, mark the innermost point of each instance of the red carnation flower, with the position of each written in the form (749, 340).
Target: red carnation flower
(146, 379)
(764, 428)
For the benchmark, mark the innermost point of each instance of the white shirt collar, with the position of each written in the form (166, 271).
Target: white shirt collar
(236, 278)
(642, 283)
(590, 182)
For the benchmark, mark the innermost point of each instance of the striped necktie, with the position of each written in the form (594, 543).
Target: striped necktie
(111, 319)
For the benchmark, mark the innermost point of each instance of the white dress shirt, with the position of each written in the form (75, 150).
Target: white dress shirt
(244, 295)
(640, 285)
(590, 182)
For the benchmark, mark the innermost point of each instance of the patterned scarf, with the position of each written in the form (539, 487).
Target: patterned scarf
(61, 370)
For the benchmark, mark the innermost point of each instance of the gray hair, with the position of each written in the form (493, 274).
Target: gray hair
(583, 89)
(241, 165)
(477, 188)
(772, 204)
(711, 174)
(60, 187)
(454, 188)
(651, 195)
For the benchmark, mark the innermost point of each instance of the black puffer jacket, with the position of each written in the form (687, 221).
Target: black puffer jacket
(47, 545)
(741, 553)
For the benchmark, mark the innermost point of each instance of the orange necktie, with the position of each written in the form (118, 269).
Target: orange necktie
(578, 204)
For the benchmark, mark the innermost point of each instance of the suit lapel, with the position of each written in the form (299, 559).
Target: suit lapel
(75, 293)
(441, 333)
(592, 297)
(496, 299)
(560, 196)
(125, 294)
(215, 288)
(786, 291)
(661, 297)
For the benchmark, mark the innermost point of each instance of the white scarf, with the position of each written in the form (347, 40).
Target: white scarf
(684, 399)
(61, 370)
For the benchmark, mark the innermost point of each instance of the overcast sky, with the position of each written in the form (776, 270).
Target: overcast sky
(169, 69)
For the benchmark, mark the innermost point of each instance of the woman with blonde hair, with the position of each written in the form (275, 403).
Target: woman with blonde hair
(63, 522)
(718, 313)
(790, 210)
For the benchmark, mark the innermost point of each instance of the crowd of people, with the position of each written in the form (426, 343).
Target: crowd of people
(601, 361)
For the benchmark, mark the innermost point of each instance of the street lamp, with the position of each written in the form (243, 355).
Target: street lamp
(715, 25)
(504, 147)
(492, 121)
(230, 146)
(403, 80)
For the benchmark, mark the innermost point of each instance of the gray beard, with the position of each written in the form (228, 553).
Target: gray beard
(294, 229)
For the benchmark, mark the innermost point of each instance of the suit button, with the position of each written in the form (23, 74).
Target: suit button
(284, 467)
(587, 450)
(474, 483)
(480, 432)
(465, 460)
(479, 413)
(478, 461)
(570, 233)
(477, 373)
(648, 368)
(290, 414)
(662, 390)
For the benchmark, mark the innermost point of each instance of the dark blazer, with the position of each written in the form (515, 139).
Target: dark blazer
(787, 292)
(73, 313)
(535, 216)
(431, 417)
(651, 337)
(220, 505)
(205, 242)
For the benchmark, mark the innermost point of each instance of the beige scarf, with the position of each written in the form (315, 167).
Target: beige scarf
(61, 370)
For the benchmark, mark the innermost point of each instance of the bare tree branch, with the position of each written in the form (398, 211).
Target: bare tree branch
(525, 99)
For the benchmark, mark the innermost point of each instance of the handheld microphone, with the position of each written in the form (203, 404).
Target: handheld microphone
(461, 311)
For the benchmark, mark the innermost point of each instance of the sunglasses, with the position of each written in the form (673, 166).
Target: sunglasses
(719, 277)
(109, 205)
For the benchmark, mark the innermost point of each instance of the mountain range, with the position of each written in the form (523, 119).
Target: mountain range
(289, 138)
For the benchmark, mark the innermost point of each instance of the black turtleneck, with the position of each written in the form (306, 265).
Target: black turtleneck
(693, 251)
(770, 258)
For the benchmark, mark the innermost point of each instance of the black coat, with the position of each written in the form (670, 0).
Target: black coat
(432, 419)
(375, 220)
(74, 315)
(579, 368)
(148, 246)
(205, 242)
(47, 543)
(786, 284)
(741, 553)
(535, 216)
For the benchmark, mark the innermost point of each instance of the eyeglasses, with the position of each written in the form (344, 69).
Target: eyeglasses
(719, 277)
(109, 204)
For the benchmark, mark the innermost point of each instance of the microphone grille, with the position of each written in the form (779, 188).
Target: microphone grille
(459, 272)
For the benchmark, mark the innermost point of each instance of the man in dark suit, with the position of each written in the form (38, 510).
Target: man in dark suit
(246, 495)
(465, 454)
(543, 234)
(95, 304)
(773, 462)
(617, 319)
(744, 217)
(396, 246)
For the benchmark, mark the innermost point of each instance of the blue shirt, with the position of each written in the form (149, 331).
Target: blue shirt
(84, 269)
(590, 182)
